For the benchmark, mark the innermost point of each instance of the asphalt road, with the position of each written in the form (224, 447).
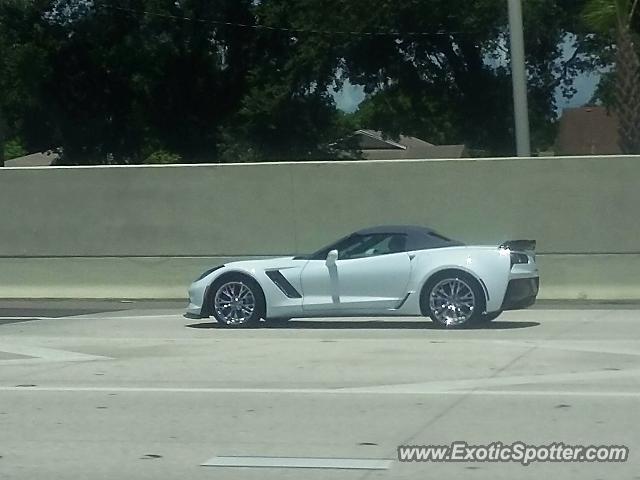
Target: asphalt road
(105, 389)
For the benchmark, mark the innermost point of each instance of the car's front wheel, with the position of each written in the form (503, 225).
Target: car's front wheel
(237, 301)
(453, 300)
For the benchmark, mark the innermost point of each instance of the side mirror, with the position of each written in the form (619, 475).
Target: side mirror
(332, 256)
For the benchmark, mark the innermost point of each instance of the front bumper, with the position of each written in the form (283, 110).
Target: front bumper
(194, 311)
(197, 292)
(521, 293)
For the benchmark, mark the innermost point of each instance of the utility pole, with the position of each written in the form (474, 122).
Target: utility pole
(2, 129)
(519, 76)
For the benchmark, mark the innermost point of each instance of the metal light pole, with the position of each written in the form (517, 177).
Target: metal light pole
(519, 75)
(1, 138)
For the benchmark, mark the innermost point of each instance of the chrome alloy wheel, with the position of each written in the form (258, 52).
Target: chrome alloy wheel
(452, 302)
(234, 303)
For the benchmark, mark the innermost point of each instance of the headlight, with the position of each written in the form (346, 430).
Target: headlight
(211, 270)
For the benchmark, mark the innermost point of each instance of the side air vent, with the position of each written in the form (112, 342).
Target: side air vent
(283, 284)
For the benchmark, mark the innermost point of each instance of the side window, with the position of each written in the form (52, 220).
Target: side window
(395, 244)
(374, 245)
(341, 245)
(362, 246)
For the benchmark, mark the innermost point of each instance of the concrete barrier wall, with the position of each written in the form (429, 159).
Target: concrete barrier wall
(147, 231)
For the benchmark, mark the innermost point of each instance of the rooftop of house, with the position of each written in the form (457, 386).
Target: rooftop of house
(374, 145)
(40, 159)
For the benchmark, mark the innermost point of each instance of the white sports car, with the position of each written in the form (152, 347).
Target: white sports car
(388, 270)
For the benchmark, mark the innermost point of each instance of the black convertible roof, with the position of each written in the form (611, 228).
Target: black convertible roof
(418, 237)
(399, 229)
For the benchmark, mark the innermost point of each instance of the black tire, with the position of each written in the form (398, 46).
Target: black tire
(258, 312)
(488, 317)
(466, 279)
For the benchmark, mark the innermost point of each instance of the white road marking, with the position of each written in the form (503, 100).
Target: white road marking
(29, 317)
(91, 316)
(325, 391)
(300, 462)
(587, 346)
(100, 316)
(179, 315)
(483, 383)
(43, 355)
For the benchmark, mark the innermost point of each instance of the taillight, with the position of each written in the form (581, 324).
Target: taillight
(518, 258)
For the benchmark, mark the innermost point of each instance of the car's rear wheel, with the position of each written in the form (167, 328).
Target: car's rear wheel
(453, 299)
(237, 301)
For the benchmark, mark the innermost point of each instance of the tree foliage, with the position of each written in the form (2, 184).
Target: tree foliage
(132, 81)
(24, 63)
(618, 19)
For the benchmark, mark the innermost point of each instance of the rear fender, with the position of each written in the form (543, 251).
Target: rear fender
(487, 265)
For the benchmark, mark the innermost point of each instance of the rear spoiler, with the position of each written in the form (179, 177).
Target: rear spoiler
(521, 245)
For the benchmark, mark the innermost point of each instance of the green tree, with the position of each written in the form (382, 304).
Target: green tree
(287, 112)
(617, 18)
(451, 84)
(131, 81)
(24, 64)
(131, 75)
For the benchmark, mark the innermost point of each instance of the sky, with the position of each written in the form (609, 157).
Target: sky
(586, 87)
(351, 96)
